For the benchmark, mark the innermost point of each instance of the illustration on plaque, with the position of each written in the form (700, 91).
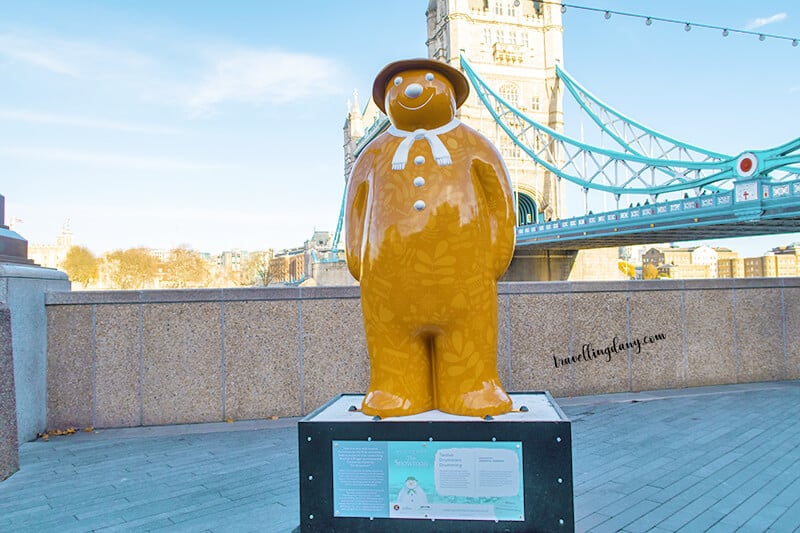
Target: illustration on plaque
(412, 494)
(430, 229)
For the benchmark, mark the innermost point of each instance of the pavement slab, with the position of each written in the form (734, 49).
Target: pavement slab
(721, 458)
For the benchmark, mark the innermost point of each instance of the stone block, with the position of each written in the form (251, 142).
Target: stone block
(181, 363)
(758, 328)
(656, 339)
(334, 350)
(70, 362)
(117, 367)
(791, 304)
(540, 331)
(600, 323)
(9, 448)
(504, 343)
(709, 337)
(262, 369)
(23, 289)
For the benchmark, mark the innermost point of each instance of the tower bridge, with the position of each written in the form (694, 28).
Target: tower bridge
(674, 191)
(688, 192)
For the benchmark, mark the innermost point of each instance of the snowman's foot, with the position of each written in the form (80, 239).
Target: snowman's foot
(384, 404)
(490, 400)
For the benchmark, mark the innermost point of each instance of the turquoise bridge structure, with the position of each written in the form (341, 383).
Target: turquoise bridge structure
(681, 192)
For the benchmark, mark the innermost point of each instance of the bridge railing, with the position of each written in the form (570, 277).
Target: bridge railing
(745, 197)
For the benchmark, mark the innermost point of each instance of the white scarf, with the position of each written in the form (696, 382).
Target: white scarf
(440, 153)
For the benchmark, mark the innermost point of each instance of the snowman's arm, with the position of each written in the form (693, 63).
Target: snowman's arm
(496, 184)
(355, 214)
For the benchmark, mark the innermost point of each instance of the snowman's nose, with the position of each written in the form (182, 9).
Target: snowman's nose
(413, 90)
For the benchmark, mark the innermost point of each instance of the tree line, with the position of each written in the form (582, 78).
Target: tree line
(138, 268)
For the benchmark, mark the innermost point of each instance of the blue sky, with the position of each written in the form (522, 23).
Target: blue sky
(218, 125)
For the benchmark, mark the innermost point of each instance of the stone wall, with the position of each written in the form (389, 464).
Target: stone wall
(9, 448)
(160, 357)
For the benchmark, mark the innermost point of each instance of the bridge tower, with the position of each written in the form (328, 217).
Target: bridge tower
(515, 44)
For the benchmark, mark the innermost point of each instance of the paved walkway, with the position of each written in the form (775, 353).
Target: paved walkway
(706, 459)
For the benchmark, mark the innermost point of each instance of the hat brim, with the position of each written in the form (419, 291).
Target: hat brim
(454, 76)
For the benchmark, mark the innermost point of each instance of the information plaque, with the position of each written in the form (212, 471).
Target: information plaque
(428, 480)
(436, 472)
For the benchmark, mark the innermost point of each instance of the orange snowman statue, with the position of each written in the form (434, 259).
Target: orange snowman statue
(429, 229)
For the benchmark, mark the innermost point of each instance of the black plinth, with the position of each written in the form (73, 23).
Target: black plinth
(436, 472)
(13, 248)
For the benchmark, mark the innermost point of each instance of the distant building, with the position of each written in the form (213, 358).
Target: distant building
(730, 267)
(316, 263)
(771, 266)
(288, 266)
(694, 262)
(685, 271)
(756, 267)
(705, 255)
(232, 260)
(52, 255)
(667, 256)
(787, 259)
(633, 254)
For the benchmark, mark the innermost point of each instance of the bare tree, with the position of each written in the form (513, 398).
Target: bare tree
(255, 270)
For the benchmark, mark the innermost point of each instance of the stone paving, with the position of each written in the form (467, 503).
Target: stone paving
(721, 458)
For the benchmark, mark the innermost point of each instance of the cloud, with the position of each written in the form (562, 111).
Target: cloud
(83, 122)
(102, 159)
(763, 21)
(33, 53)
(197, 75)
(72, 58)
(265, 77)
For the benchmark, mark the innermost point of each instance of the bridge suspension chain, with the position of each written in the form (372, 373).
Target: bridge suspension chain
(646, 163)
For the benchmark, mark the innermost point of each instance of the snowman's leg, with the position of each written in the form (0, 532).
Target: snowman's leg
(400, 363)
(465, 359)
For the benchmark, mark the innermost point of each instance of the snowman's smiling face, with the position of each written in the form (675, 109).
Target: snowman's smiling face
(419, 99)
(411, 484)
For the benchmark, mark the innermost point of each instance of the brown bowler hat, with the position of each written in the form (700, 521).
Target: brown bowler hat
(454, 76)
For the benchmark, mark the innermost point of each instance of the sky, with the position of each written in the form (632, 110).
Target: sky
(218, 125)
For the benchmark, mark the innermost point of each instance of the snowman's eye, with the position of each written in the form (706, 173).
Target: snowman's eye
(429, 76)
(398, 80)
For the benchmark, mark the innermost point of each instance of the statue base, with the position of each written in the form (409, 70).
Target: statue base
(13, 248)
(436, 472)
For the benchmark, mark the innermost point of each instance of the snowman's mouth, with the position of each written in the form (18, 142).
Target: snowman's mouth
(423, 104)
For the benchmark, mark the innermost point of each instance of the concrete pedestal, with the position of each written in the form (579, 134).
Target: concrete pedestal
(9, 449)
(436, 472)
(22, 289)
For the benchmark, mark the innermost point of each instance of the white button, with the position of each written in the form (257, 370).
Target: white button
(419, 181)
(419, 160)
(419, 205)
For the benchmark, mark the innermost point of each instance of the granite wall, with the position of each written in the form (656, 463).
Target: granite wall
(133, 358)
(9, 448)
(22, 289)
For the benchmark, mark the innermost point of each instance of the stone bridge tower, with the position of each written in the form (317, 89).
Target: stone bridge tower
(514, 45)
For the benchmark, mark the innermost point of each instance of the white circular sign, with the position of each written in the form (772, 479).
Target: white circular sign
(746, 164)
